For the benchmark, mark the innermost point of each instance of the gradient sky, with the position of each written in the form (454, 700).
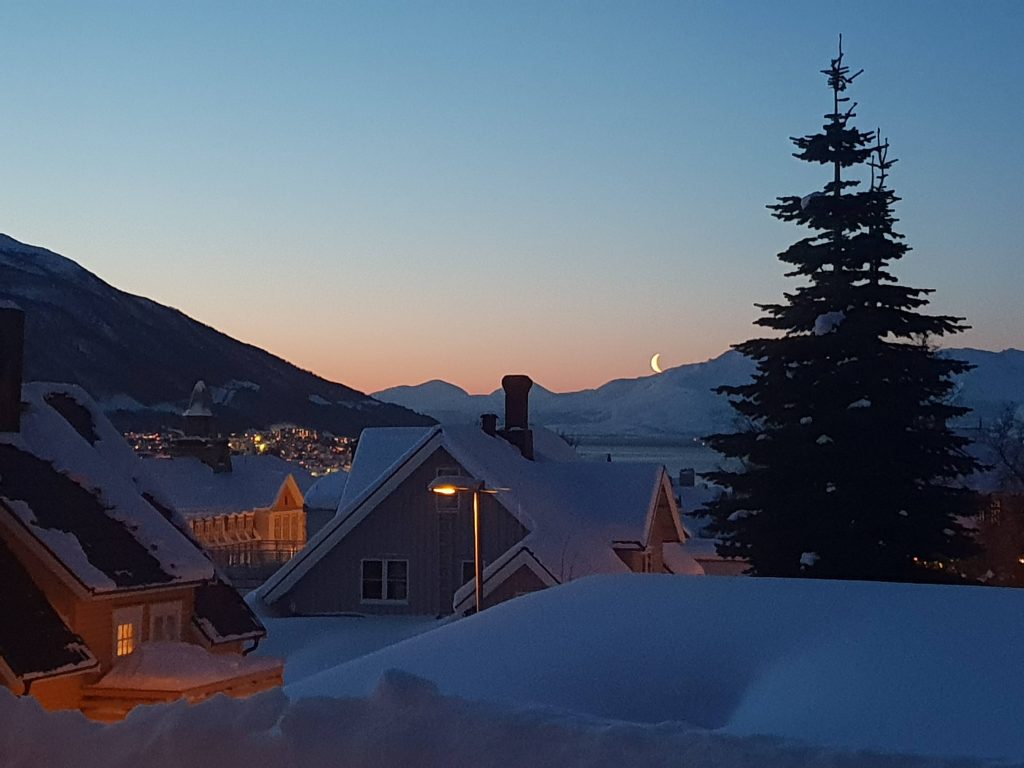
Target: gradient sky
(390, 192)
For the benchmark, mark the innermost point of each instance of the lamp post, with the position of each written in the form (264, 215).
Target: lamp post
(449, 485)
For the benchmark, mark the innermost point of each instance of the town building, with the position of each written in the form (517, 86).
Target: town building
(106, 600)
(396, 548)
(250, 517)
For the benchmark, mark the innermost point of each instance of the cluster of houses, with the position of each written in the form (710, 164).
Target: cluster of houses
(121, 578)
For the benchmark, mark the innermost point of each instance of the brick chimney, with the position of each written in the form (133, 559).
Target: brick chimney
(12, 346)
(517, 424)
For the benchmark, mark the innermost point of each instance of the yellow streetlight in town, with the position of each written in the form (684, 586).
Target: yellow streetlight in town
(449, 485)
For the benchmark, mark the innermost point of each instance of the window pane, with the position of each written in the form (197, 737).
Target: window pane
(398, 571)
(468, 571)
(373, 580)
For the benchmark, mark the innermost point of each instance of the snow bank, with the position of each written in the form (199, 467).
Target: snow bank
(404, 722)
(920, 669)
(615, 671)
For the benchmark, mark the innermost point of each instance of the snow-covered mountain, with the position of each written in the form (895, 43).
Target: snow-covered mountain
(680, 403)
(140, 359)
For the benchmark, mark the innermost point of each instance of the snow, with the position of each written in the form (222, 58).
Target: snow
(808, 559)
(807, 199)
(608, 671)
(379, 451)
(573, 509)
(167, 666)
(8, 304)
(680, 559)
(318, 400)
(326, 491)
(862, 403)
(110, 470)
(828, 322)
(312, 644)
(824, 440)
(806, 419)
(889, 667)
(254, 482)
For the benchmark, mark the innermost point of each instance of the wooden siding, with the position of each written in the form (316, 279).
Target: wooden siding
(55, 693)
(519, 583)
(406, 525)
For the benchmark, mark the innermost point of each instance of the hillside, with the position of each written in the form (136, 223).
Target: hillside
(140, 359)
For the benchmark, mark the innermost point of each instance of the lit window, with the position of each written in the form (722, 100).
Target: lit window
(385, 580)
(125, 639)
(127, 629)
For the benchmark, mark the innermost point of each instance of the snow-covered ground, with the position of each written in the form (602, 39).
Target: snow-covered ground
(608, 671)
(311, 645)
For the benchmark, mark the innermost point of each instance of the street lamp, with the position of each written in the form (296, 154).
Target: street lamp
(449, 485)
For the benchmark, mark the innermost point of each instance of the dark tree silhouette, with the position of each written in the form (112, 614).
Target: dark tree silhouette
(849, 467)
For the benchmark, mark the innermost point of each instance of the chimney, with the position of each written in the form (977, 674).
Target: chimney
(517, 422)
(687, 477)
(12, 346)
(489, 423)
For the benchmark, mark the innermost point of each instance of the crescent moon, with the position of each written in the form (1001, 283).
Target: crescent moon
(654, 363)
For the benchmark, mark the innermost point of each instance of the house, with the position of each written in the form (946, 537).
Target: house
(395, 548)
(249, 516)
(106, 600)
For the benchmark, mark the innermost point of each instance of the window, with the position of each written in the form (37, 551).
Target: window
(468, 571)
(127, 629)
(164, 623)
(385, 580)
(447, 503)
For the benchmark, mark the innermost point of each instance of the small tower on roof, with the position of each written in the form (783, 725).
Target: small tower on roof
(199, 436)
(199, 414)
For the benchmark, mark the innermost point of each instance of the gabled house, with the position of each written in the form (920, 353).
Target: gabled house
(393, 547)
(250, 516)
(103, 591)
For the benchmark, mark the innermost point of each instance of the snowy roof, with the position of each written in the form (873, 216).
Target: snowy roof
(69, 480)
(179, 667)
(378, 454)
(574, 510)
(326, 492)
(34, 640)
(193, 488)
(223, 616)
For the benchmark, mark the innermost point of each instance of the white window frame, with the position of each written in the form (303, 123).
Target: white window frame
(164, 611)
(129, 615)
(385, 563)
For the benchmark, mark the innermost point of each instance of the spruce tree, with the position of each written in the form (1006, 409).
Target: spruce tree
(849, 467)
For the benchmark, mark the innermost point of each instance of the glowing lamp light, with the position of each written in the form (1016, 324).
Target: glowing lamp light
(449, 485)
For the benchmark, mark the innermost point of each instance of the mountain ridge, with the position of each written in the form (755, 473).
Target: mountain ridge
(681, 402)
(140, 359)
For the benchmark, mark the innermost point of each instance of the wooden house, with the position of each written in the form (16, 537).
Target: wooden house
(250, 516)
(396, 548)
(106, 600)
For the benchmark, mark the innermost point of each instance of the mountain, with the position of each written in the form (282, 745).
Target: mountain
(140, 359)
(679, 404)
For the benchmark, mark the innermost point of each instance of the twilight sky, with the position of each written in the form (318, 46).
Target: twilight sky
(389, 192)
